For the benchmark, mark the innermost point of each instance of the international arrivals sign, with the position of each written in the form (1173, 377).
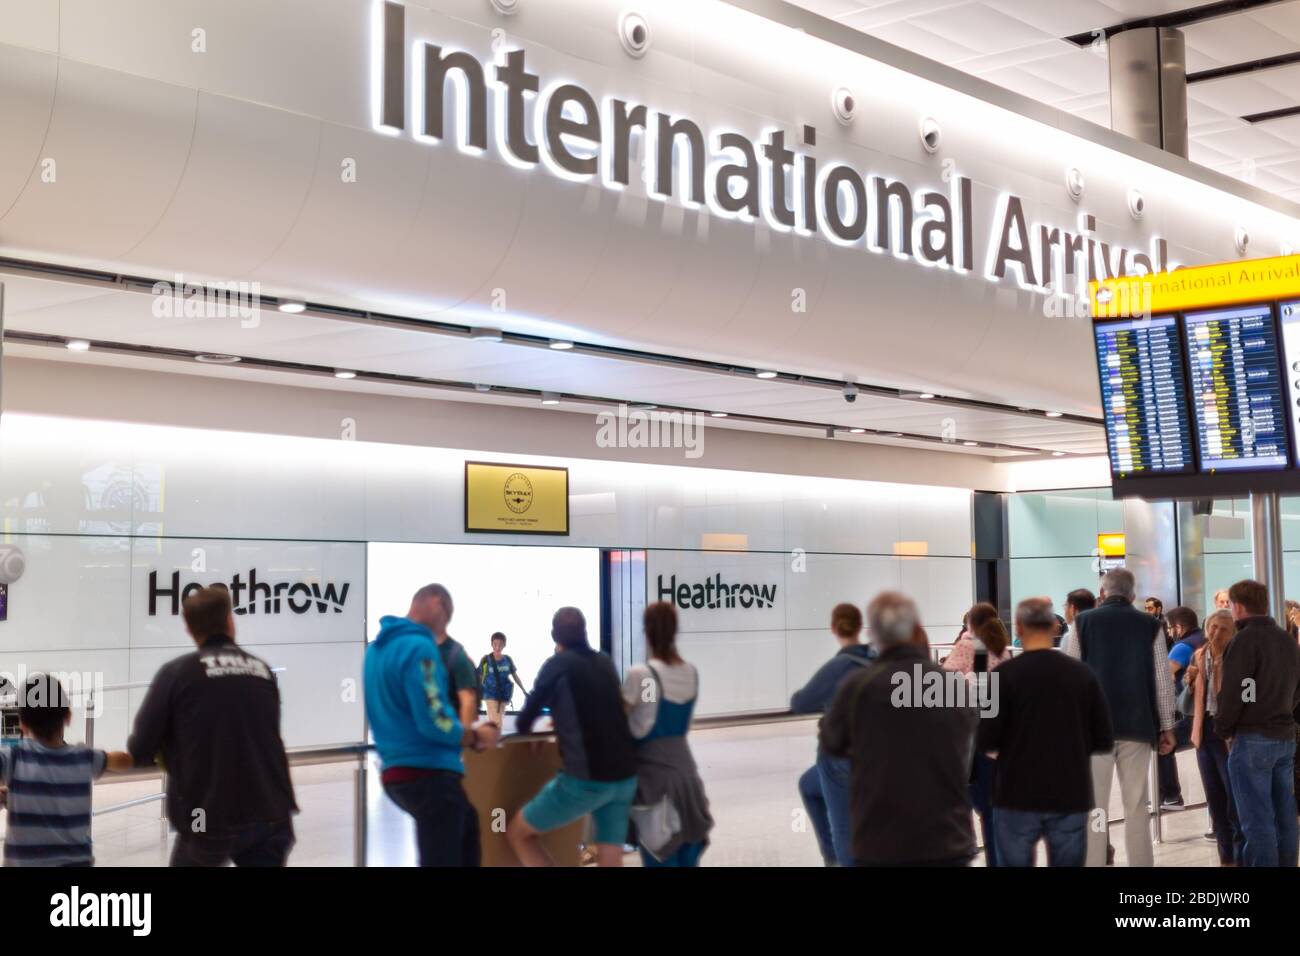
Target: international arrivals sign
(481, 104)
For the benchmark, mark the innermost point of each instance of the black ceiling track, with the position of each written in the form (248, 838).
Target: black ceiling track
(1239, 69)
(1179, 18)
(1272, 114)
(19, 337)
(145, 285)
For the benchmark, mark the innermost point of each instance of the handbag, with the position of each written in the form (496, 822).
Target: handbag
(656, 824)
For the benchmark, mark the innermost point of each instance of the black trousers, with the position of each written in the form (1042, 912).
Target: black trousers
(446, 826)
(259, 844)
(1171, 787)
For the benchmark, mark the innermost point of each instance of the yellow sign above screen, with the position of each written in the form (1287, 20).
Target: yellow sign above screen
(1110, 545)
(516, 499)
(1196, 287)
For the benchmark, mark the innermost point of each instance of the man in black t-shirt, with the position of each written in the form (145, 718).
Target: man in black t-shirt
(1051, 718)
(211, 718)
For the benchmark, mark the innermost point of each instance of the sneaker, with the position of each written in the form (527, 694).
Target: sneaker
(1171, 803)
(1209, 835)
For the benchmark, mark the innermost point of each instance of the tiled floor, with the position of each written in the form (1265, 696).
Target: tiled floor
(749, 771)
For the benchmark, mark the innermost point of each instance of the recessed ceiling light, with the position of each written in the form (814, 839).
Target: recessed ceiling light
(550, 398)
(292, 306)
(1058, 454)
(1055, 414)
(717, 414)
(895, 434)
(644, 407)
(560, 345)
(857, 431)
(77, 345)
(970, 444)
(925, 395)
(766, 373)
(212, 358)
(482, 388)
(344, 374)
(486, 335)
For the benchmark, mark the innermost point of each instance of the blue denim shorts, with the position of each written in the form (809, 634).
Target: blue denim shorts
(565, 799)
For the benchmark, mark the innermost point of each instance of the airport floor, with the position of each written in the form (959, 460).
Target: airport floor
(749, 771)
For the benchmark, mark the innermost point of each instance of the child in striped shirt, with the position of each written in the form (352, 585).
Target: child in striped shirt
(49, 781)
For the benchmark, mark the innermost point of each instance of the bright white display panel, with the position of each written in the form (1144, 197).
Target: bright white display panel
(514, 589)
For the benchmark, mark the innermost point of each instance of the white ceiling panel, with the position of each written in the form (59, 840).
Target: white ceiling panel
(1019, 45)
(53, 308)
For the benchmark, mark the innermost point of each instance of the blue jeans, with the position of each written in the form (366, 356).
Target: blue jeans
(1262, 772)
(1212, 760)
(824, 788)
(981, 799)
(446, 825)
(688, 854)
(258, 844)
(1017, 833)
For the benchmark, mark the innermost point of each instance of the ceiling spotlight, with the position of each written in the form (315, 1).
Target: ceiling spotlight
(717, 414)
(560, 345)
(215, 358)
(843, 104)
(550, 398)
(1058, 454)
(482, 388)
(857, 431)
(486, 335)
(766, 373)
(931, 135)
(344, 374)
(77, 345)
(925, 395)
(970, 444)
(1241, 240)
(1137, 206)
(292, 306)
(1074, 182)
(1054, 414)
(644, 407)
(894, 435)
(634, 34)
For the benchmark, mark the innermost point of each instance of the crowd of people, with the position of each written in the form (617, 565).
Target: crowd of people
(1091, 698)
(211, 721)
(909, 750)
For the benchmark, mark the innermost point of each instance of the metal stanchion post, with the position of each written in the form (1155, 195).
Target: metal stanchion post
(162, 804)
(1157, 819)
(359, 814)
(90, 720)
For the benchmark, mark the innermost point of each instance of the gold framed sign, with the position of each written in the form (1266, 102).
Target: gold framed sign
(516, 499)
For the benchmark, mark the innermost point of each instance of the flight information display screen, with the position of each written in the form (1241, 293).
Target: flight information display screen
(1236, 389)
(1290, 312)
(1143, 394)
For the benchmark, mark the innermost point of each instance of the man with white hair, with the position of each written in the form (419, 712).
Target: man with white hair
(1126, 651)
(904, 810)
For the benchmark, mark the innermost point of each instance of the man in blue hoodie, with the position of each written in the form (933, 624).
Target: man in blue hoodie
(417, 732)
(824, 787)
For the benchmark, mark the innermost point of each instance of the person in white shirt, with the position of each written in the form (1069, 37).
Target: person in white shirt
(671, 811)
